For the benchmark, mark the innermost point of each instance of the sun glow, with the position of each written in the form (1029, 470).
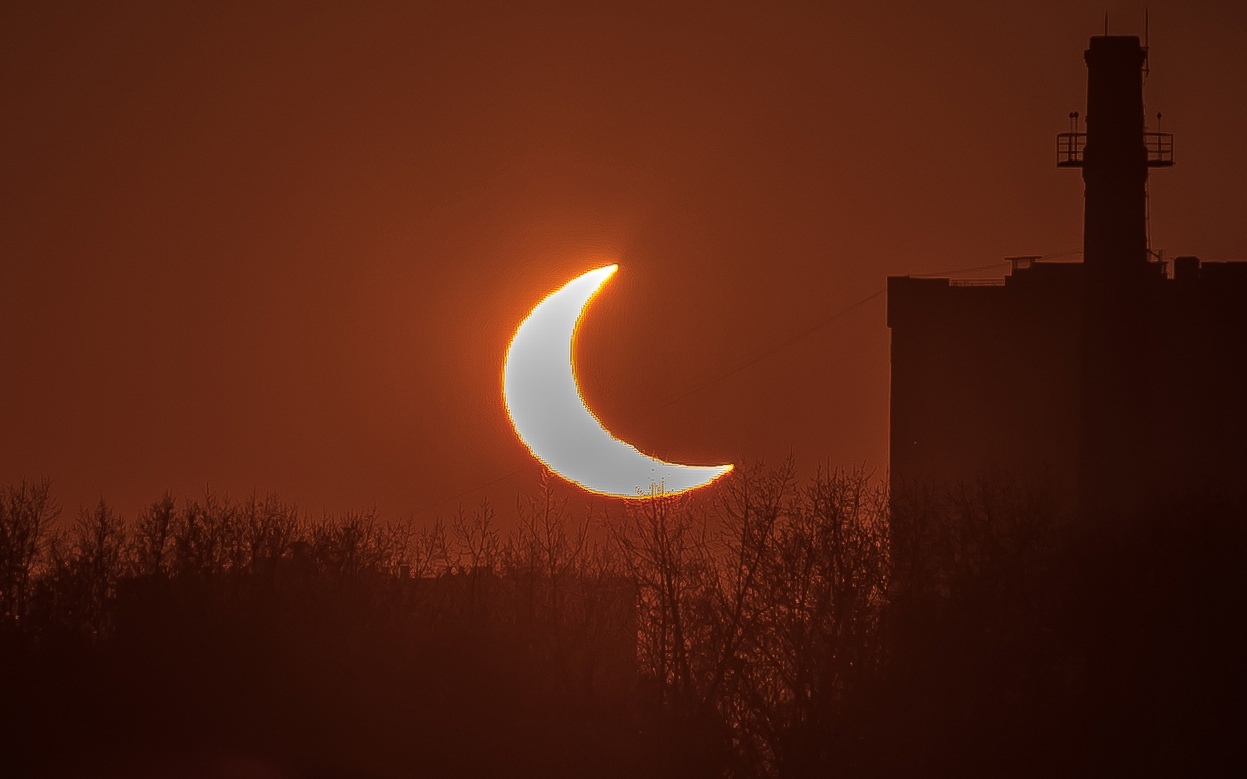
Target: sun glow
(551, 418)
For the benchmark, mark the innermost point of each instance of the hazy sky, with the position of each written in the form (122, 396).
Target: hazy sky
(274, 246)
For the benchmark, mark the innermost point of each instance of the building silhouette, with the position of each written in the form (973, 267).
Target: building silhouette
(1109, 381)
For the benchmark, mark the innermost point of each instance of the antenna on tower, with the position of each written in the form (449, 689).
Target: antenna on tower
(1147, 68)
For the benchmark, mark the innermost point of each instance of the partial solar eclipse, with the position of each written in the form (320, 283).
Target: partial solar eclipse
(551, 418)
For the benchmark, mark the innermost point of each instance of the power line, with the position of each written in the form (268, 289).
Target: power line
(959, 270)
(470, 490)
(778, 347)
(708, 382)
(820, 324)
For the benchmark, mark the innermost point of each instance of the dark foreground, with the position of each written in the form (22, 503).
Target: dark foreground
(776, 630)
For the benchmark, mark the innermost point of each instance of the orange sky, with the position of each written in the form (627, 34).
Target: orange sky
(286, 248)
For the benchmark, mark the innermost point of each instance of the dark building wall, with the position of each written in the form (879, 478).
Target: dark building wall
(1199, 381)
(985, 379)
(988, 381)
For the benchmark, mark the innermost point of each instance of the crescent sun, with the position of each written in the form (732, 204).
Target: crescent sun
(552, 419)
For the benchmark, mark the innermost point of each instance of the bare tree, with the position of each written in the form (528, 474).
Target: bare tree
(475, 539)
(268, 527)
(152, 540)
(662, 545)
(477, 547)
(97, 546)
(206, 538)
(359, 543)
(545, 560)
(25, 513)
(760, 608)
(748, 516)
(543, 550)
(826, 592)
(430, 554)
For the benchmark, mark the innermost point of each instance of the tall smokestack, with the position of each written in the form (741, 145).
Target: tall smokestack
(1115, 447)
(1115, 159)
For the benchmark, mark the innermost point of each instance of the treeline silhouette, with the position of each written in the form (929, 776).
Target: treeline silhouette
(771, 627)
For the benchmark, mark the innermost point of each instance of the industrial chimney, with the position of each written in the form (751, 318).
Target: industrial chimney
(1102, 384)
(1114, 166)
(1115, 153)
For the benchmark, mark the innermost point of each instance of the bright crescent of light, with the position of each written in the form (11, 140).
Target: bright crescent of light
(552, 419)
